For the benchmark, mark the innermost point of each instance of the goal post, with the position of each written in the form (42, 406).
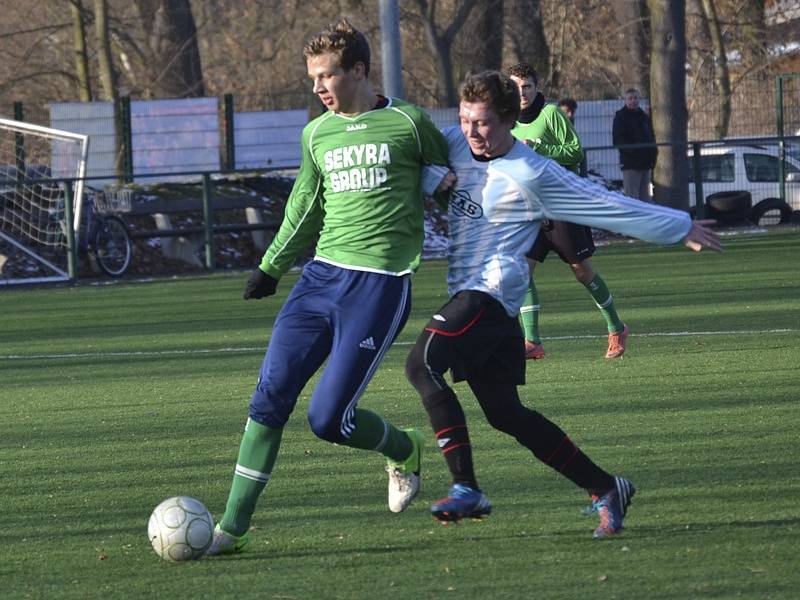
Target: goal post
(36, 165)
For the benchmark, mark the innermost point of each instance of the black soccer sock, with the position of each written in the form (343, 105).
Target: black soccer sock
(452, 437)
(548, 442)
(572, 463)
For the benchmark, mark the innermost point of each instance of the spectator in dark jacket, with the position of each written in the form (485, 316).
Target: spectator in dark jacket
(633, 126)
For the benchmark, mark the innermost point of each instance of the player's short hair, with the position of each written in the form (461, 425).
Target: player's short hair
(495, 89)
(570, 103)
(523, 71)
(343, 40)
(632, 91)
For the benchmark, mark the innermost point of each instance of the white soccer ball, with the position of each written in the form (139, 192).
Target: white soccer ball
(180, 528)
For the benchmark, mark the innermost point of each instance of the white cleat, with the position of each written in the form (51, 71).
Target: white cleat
(404, 477)
(403, 487)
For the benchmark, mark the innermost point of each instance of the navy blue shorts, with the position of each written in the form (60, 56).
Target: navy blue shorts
(349, 317)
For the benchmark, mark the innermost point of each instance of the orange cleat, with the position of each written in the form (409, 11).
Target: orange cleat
(616, 342)
(533, 351)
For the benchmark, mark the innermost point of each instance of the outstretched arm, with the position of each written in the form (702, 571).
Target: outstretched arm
(701, 236)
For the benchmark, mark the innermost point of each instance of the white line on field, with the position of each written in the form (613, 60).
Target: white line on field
(135, 353)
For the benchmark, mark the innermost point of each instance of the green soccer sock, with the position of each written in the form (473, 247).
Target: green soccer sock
(373, 432)
(605, 302)
(257, 453)
(529, 311)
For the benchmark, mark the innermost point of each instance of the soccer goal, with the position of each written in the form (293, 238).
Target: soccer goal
(33, 232)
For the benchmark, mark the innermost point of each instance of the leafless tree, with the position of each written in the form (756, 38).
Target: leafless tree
(108, 77)
(668, 102)
(525, 33)
(722, 82)
(440, 43)
(634, 44)
(482, 37)
(84, 83)
(172, 56)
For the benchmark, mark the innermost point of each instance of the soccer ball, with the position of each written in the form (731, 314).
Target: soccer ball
(180, 528)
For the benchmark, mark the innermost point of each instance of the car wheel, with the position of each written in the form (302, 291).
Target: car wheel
(771, 211)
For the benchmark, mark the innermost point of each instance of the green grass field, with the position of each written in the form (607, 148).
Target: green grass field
(115, 397)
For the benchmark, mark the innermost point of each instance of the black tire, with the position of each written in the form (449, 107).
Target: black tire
(112, 246)
(771, 211)
(729, 205)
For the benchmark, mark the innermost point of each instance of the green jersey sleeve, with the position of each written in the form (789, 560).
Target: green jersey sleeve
(552, 135)
(434, 146)
(302, 217)
(434, 152)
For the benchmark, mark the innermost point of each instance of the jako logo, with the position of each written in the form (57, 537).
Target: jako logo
(356, 127)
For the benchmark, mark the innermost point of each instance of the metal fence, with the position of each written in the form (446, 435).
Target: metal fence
(209, 134)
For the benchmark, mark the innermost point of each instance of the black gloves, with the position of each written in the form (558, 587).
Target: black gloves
(259, 285)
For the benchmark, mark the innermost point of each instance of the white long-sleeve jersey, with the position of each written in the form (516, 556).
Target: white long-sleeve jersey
(497, 207)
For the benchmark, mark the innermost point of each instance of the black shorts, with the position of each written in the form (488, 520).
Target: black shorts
(479, 339)
(573, 243)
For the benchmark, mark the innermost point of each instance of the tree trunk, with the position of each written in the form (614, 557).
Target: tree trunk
(441, 45)
(722, 82)
(108, 78)
(632, 17)
(525, 32)
(486, 25)
(752, 35)
(79, 48)
(173, 55)
(668, 102)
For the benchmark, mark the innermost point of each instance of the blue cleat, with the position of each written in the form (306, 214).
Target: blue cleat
(462, 502)
(612, 507)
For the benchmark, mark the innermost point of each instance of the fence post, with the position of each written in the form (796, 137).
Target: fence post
(208, 220)
(72, 254)
(781, 155)
(19, 144)
(697, 175)
(230, 141)
(127, 137)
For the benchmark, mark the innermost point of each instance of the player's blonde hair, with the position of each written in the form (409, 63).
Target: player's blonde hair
(495, 89)
(343, 40)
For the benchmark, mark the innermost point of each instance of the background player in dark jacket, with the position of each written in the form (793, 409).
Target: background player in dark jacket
(633, 126)
(547, 130)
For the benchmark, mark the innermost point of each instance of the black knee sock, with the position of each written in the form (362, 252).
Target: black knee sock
(554, 448)
(547, 441)
(452, 436)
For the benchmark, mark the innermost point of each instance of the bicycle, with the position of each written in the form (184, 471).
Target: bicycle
(104, 235)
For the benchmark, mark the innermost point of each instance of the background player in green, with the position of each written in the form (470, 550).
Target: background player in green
(359, 189)
(548, 131)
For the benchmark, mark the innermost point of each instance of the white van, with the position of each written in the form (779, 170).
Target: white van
(729, 173)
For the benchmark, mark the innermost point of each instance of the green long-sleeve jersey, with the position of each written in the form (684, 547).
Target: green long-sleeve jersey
(552, 135)
(359, 188)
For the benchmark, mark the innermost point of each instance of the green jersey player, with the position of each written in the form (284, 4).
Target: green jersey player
(548, 131)
(359, 190)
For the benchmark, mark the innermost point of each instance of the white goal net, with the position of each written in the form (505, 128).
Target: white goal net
(33, 244)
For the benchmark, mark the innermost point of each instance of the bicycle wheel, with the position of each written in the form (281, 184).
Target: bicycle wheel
(112, 246)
